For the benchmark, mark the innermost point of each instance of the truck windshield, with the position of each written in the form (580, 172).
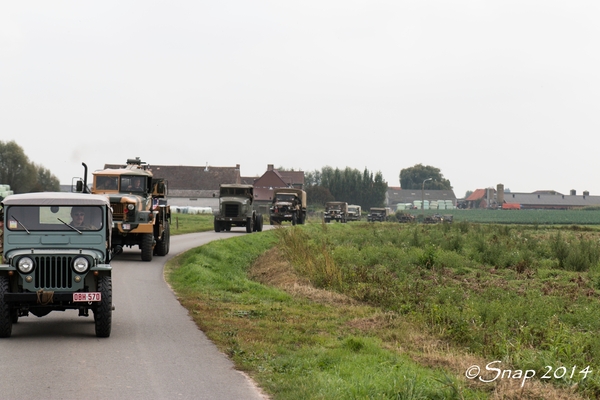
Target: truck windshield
(107, 183)
(54, 218)
(284, 197)
(134, 184)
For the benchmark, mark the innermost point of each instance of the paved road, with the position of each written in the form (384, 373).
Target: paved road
(155, 350)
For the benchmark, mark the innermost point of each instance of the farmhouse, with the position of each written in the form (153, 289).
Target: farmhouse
(541, 199)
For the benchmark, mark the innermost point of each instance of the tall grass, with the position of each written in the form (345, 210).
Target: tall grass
(524, 295)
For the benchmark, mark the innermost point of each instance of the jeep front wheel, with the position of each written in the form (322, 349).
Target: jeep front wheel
(103, 312)
(6, 320)
(147, 246)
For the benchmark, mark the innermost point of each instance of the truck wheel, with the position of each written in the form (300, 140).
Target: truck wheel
(249, 224)
(294, 219)
(217, 226)
(103, 312)
(162, 245)
(259, 222)
(147, 246)
(302, 218)
(6, 320)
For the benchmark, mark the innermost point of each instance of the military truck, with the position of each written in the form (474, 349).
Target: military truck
(236, 209)
(354, 213)
(378, 214)
(140, 211)
(335, 211)
(289, 204)
(56, 257)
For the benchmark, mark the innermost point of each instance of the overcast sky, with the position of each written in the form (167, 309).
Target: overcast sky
(489, 92)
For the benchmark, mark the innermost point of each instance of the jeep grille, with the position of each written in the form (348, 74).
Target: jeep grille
(232, 210)
(53, 272)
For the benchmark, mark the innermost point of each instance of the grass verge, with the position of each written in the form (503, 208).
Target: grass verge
(291, 311)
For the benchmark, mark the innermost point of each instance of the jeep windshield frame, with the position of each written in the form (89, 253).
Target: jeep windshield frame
(54, 218)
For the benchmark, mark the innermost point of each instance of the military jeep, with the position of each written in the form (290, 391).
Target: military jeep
(56, 257)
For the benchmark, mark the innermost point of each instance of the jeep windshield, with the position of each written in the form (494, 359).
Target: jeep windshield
(54, 218)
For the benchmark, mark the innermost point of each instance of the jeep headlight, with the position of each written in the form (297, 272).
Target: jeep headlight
(25, 265)
(80, 265)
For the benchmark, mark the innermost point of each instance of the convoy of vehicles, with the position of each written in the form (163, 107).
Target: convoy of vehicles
(236, 209)
(354, 213)
(335, 211)
(289, 204)
(56, 257)
(140, 211)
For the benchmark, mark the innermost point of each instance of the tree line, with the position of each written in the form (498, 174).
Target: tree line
(366, 189)
(21, 174)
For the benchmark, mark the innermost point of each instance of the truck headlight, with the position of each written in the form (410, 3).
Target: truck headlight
(80, 265)
(130, 207)
(25, 265)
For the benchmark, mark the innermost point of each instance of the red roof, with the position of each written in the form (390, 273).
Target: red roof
(477, 195)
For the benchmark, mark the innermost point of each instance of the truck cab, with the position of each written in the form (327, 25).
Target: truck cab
(236, 209)
(288, 204)
(335, 211)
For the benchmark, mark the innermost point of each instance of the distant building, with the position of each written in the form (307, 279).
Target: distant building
(541, 199)
(273, 179)
(396, 197)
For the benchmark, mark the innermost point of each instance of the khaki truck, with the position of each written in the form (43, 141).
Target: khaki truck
(236, 209)
(335, 211)
(140, 212)
(56, 257)
(288, 205)
(378, 214)
(354, 213)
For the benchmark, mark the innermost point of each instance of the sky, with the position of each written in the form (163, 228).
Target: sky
(489, 92)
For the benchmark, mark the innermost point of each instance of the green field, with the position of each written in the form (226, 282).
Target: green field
(531, 217)
(403, 311)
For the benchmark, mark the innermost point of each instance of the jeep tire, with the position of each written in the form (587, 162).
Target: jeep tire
(103, 312)
(6, 320)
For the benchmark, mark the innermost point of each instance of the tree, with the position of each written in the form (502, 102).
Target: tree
(46, 182)
(413, 177)
(318, 195)
(351, 186)
(22, 175)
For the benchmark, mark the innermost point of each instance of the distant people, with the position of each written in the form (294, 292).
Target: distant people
(108, 184)
(136, 185)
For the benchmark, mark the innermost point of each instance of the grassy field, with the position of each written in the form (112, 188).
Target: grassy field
(403, 311)
(589, 216)
(189, 223)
